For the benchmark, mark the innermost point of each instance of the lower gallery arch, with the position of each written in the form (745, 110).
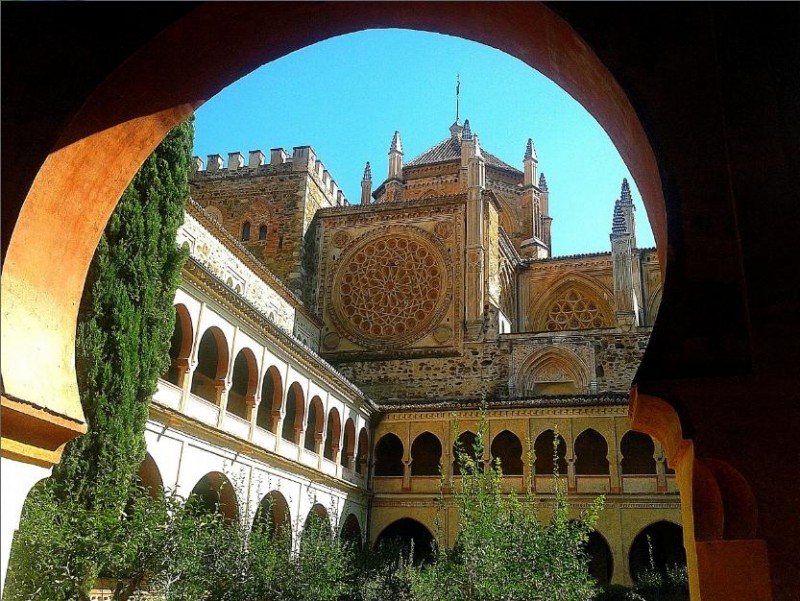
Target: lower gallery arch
(317, 523)
(214, 493)
(149, 477)
(351, 531)
(273, 516)
(405, 531)
(664, 540)
(601, 560)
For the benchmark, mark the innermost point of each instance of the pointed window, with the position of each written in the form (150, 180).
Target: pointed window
(245, 231)
(262, 232)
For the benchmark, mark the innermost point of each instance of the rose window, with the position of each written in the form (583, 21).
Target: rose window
(574, 312)
(390, 290)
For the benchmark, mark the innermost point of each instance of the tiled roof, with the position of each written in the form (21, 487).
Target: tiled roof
(449, 149)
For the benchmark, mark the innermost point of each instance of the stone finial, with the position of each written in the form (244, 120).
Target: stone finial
(214, 163)
(396, 145)
(543, 183)
(530, 151)
(478, 154)
(235, 161)
(255, 158)
(456, 129)
(197, 164)
(466, 134)
(367, 173)
(625, 194)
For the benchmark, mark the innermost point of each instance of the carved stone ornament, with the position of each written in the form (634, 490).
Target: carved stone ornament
(341, 238)
(331, 341)
(444, 230)
(391, 288)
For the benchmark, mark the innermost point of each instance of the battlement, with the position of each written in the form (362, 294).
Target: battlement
(302, 159)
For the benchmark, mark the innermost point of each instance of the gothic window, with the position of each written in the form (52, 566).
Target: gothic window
(262, 232)
(574, 312)
(246, 231)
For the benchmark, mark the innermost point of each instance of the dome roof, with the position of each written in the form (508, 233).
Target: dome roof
(449, 149)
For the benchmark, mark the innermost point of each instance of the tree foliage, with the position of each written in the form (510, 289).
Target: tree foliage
(504, 550)
(125, 323)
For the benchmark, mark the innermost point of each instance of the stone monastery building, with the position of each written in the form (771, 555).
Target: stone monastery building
(327, 355)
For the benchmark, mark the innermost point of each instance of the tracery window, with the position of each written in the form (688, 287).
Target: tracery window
(574, 312)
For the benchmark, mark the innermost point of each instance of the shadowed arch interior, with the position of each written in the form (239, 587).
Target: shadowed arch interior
(333, 434)
(273, 516)
(389, 456)
(362, 457)
(316, 413)
(601, 560)
(591, 450)
(466, 444)
(242, 393)
(208, 380)
(545, 451)
(271, 397)
(426, 455)
(507, 447)
(351, 532)
(666, 541)
(637, 454)
(180, 346)
(214, 493)
(293, 419)
(149, 477)
(347, 456)
(402, 533)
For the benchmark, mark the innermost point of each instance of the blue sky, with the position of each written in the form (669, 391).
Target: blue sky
(346, 96)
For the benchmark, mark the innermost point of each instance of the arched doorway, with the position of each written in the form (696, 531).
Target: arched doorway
(213, 494)
(660, 543)
(405, 532)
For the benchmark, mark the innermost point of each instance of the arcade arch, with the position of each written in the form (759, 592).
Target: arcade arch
(208, 380)
(507, 447)
(426, 454)
(242, 395)
(269, 408)
(215, 494)
(389, 456)
(180, 346)
(293, 418)
(591, 451)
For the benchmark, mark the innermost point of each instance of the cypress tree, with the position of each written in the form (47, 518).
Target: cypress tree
(125, 324)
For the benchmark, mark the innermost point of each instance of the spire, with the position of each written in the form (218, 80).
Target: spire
(366, 185)
(396, 145)
(467, 133)
(530, 151)
(625, 193)
(543, 183)
(530, 165)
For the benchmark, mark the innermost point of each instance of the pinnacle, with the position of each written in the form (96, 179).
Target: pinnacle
(542, 182)
(530, 150)
(625, 197)
(367, 173)
(467, 133)
(396, 145)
